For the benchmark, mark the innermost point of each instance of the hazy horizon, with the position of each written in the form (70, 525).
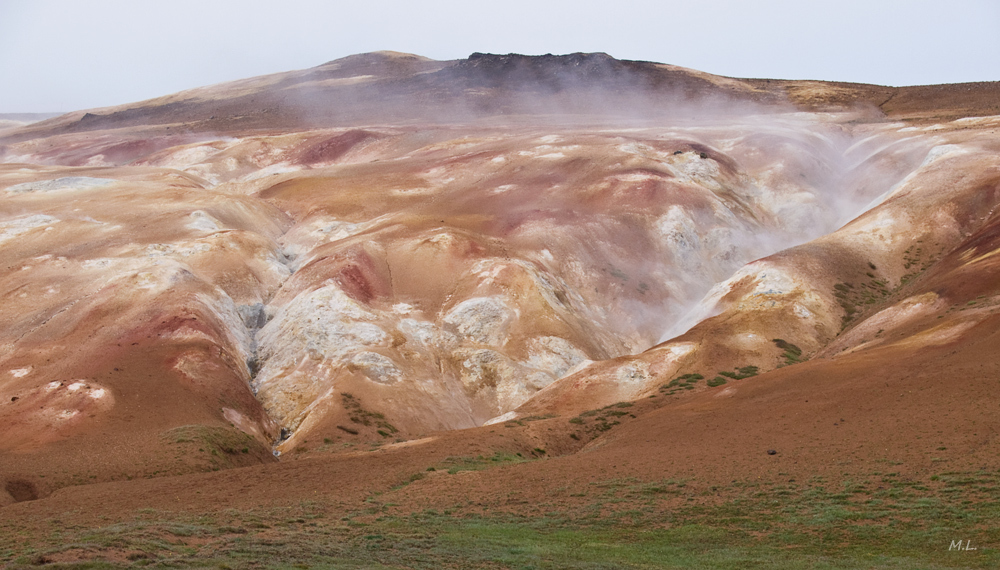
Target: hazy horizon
(60, 56)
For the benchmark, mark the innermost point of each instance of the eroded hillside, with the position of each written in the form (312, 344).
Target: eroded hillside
(207, 281)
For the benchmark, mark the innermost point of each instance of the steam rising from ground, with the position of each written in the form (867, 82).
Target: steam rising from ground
(494, 226)
(812, 176)
(613, 234)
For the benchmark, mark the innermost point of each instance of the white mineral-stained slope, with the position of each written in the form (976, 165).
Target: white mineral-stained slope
(467, 275)
(124, 300)
(447, 276)
(850, 290)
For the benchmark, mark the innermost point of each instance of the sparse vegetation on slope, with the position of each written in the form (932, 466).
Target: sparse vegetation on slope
(792, 354)
(683, 382)
(601, 420)
(458, 464)
(214, 447)
(858, 299)
(741, 372)
(359, 415)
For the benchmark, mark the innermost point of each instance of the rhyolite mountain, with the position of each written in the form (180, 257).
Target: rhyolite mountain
(386, 247)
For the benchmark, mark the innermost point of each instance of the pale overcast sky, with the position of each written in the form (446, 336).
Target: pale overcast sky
(63, 55)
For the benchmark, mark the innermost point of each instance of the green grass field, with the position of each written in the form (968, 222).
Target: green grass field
(880, 522)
